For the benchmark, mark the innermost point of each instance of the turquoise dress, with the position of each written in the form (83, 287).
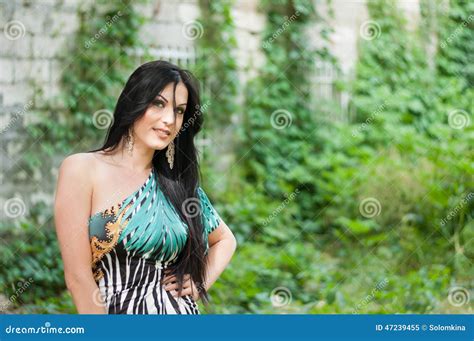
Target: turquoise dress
(134, 241)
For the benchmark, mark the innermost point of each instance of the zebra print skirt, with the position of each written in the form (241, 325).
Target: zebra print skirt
(133, 285)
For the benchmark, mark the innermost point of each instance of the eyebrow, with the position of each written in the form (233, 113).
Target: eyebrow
(167, 101)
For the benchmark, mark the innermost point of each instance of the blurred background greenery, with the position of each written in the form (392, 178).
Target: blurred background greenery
(370, 214)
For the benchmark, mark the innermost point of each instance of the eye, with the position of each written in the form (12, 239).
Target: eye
(159, 104)
(180, 111)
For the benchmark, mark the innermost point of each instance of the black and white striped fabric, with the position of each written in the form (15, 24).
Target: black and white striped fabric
(131, 284)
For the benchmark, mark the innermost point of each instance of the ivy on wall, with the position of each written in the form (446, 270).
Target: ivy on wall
(456, 42)
(277, 115)
(216, 65)
(279, 136)
(95, 71)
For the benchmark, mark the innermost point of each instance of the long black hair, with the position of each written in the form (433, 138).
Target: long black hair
(181, 182)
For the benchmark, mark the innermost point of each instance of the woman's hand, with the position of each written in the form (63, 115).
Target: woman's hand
(189, 287)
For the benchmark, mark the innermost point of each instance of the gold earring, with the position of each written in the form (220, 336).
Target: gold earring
(130, 141)
(170, 154)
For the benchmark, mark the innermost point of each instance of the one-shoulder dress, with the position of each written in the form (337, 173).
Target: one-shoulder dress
(135, 241)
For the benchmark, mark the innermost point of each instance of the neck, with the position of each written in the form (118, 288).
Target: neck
(140, 160)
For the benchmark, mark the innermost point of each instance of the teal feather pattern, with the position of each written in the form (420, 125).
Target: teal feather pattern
(210, 217)
(155, 228)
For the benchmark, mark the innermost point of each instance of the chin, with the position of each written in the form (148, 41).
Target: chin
(158, 145)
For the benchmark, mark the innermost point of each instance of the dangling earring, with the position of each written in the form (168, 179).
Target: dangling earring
(130, 141)
(170, 154)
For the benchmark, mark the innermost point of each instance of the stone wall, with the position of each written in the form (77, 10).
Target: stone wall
(33, 40)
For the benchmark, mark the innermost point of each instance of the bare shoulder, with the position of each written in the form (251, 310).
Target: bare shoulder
(75, 185)
(78, 166)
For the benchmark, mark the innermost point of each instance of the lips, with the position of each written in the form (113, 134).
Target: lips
(162, 132)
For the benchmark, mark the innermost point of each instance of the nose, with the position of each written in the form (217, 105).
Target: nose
(168, 117)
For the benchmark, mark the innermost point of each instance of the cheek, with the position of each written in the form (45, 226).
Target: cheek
(144, 123)
(139, 126)
(149, 116)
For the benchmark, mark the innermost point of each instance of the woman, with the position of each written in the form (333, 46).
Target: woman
(138, 235)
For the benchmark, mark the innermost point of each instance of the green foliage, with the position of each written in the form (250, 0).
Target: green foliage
(400, 149)
(95, 69)
(216, 65)
(456, 43)
(316, 283)
(418, 101)
(33, 273)
(278, 122)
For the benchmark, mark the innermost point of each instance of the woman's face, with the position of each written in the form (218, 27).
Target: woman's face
(159, 126)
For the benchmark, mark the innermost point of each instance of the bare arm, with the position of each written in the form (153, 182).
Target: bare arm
(222, 245)
(71, 213)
